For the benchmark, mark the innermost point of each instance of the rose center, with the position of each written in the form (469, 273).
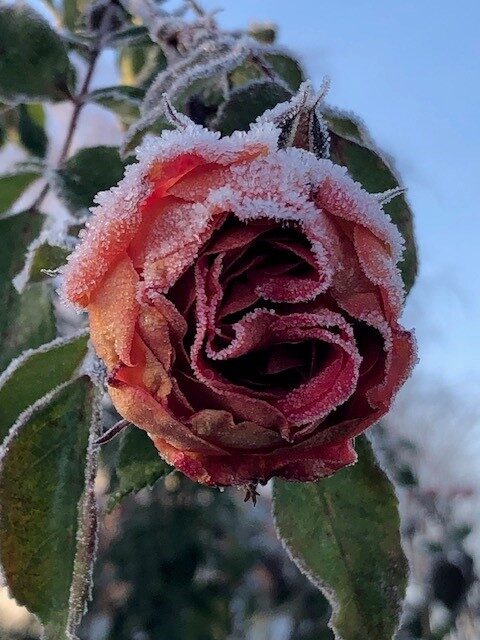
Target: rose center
(277, 368)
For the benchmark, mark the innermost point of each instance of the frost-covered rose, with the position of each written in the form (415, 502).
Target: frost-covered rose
(245, 300)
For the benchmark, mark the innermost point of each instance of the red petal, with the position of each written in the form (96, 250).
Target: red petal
(301, 465)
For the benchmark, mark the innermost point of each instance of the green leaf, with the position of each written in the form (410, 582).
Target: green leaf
(31, 123)
(86, 173)
(36, 373)
(26, 320)
(12, 185)
(246, 72)
(246, 103)
(47, 257)
(287, 68)
(34, 65)
(140, 61)
(124, 100)
(350, 146)
(343, 532)
(71, 13)
(138, 465)
(42, 483)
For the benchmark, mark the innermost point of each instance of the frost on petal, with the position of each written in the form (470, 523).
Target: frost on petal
(173, 243)
(108, 233)
(340, 196)
(379, 268)
(245, 299)
(162, 162)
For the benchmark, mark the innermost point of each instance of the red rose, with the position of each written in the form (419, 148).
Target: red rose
(245, 300)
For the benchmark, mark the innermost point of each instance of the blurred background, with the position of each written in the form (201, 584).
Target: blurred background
(183, 562)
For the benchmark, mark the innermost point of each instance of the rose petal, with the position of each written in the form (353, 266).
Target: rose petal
(302, 465)
(137, 406)
(112, 332)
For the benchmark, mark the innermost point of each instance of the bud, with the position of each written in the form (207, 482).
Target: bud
(263, 32)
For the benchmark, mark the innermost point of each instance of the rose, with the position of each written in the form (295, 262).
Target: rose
(245, 300)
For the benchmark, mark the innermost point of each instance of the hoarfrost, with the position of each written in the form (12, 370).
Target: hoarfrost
(82, 581)
(16, 363)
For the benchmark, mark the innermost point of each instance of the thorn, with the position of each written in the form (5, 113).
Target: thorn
(111, 433)
(251, 492)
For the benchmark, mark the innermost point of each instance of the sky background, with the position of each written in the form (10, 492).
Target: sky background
(411, 70)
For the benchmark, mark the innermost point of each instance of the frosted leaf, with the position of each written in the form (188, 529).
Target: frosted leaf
(53, 234)
(28, 353)
(177, 119)
(192, 62)
(25, 416)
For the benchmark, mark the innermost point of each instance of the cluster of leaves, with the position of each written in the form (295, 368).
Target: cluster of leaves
(50, 411)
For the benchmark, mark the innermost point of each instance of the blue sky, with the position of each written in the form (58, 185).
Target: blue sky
(411, 70)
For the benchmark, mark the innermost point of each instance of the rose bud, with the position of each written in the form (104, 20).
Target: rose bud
(245, 300)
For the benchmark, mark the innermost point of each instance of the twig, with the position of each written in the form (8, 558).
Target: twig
(196, 7)
(78, 103)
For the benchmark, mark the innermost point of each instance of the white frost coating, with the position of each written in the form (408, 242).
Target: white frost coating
(283, 111)
(317, 582)
(119, 206)
(87, 539)
(163, 81)
(167, 240)
(16, 363)
(25, 416)
(207, 144)
(55, 235)
(366, 212)
(387, 196)
(279, 184)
